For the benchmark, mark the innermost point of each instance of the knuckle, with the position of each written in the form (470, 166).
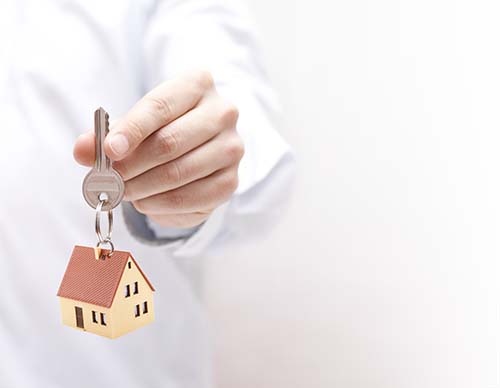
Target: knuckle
(167, 142)
(172, 172)
(229, 115)
(228, 184)
(175, 200)
(161, 106)
(235, 150)
(234, 183)
(135, 129)
(204, 79)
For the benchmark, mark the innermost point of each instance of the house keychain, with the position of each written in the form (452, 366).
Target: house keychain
(104, 291)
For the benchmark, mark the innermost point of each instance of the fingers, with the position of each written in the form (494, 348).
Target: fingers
(201, 195)
(156, 109)
(223, 151)
(187, 220)
(179, 137)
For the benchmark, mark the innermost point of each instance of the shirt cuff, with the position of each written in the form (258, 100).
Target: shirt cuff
(138, 227)
(180, 242)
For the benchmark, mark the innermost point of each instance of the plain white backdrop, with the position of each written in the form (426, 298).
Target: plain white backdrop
(384, 272)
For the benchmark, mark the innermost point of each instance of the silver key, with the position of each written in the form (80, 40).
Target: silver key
(102, 182)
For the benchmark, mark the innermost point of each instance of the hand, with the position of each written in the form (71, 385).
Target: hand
(177, 150)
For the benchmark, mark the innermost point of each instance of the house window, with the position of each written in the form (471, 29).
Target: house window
(137, 310)
(127, 290)
(136, 288)
(103, 319)
(129, 264)
(145, 307)
(94, 317)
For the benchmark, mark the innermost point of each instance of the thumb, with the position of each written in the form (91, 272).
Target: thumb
(84, 148)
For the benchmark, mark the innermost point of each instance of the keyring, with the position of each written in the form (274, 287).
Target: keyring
(101, 239)
(111, 246)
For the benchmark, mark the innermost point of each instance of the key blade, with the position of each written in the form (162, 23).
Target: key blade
(101, 128)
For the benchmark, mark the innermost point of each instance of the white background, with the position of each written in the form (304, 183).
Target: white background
(384, 272)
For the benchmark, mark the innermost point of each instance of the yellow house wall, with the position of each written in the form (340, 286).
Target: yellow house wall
(69, 317)
(123, 308)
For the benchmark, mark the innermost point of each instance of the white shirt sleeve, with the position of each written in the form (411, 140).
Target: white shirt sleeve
(218, 36)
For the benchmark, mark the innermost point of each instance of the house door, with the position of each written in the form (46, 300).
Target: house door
(79, 317)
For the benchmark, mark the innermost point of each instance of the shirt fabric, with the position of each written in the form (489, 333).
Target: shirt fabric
(59, 61)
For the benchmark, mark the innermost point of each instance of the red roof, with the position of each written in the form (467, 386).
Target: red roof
(94, 281)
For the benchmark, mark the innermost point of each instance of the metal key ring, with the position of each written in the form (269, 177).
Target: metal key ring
(102, 239)
(111, 246)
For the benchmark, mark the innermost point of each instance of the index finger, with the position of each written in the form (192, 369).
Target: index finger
(156, 109)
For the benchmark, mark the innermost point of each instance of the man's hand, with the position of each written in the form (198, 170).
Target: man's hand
(177, 150)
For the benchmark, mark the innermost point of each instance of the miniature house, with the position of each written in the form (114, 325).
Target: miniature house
(109, 296)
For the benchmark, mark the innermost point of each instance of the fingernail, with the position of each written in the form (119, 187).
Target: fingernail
(118, 144)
